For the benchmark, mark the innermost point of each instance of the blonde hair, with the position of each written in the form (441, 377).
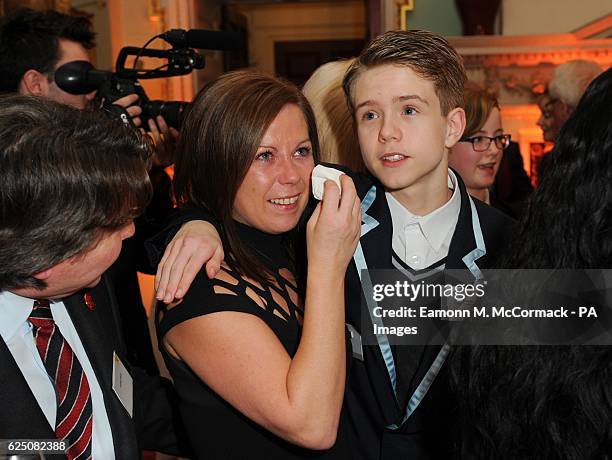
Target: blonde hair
(337, 138)
(570, 80)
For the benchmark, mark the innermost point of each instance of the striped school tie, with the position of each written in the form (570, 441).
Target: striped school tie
(73, 422)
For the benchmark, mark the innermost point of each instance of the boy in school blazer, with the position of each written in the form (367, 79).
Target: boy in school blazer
(405, 92)
(378, 425)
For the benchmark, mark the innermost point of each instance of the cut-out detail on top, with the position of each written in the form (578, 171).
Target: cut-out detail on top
(279, 297)
(167, 307)
(223, 290)
(215, 435)
(226, 277)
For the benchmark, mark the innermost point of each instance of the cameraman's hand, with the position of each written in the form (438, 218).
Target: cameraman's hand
(133, 111)
(164, 138)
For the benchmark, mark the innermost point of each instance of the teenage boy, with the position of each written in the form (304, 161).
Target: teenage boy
(405, 92)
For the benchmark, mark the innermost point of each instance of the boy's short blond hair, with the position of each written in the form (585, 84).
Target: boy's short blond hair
(427, 54)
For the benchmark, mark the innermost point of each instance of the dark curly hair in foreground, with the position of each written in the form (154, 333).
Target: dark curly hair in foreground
(551, 402)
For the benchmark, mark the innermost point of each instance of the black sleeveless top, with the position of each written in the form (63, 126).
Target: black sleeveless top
(216, 429)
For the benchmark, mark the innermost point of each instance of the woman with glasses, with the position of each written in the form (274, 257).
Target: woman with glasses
(477, 156)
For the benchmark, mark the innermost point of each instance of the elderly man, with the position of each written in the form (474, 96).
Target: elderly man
(567, 86)
(72, 183)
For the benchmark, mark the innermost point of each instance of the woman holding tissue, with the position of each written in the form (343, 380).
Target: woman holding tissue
(257, 353)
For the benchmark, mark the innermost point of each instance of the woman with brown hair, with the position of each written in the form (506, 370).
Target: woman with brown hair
(490, 165)
(477, 156)
(259, 362)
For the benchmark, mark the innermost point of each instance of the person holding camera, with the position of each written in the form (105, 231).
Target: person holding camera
(33, 45)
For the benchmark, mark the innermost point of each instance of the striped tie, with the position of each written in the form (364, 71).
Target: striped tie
(74, 414)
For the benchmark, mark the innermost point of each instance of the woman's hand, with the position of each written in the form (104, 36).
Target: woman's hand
(196, 243)
(334, 228)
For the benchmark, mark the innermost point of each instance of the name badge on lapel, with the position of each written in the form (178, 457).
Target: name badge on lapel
(122, 384)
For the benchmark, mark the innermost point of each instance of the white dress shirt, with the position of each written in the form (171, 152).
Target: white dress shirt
(421, 241)
(16, 332)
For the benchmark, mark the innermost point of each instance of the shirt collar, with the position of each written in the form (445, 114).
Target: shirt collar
(14, 312)
(436, 225)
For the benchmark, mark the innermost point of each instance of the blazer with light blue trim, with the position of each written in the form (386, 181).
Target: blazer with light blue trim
(370, 399)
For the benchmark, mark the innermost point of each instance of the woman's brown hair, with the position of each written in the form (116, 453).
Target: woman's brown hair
(219, 138)
(479, 104)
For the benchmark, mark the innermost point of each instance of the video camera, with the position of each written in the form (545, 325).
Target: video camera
(80, 77)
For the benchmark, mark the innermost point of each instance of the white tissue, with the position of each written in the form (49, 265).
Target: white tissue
(319, 175)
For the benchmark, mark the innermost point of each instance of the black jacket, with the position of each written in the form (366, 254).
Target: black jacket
(370, 399)
(155, 424)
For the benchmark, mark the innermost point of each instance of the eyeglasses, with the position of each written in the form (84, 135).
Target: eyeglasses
(482, 143)
(546, 106)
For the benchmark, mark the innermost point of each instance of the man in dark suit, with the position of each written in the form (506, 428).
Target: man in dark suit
(73, 181)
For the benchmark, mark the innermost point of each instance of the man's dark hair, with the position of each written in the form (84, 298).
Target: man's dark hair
(67, 176)
(30, 40)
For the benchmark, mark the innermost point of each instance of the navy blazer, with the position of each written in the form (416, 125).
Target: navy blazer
(370, 399)
(155, 424)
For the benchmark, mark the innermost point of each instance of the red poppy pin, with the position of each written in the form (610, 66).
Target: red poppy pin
(89, 301)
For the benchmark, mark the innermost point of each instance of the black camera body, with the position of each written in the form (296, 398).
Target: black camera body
(115, 88)
(80, 77)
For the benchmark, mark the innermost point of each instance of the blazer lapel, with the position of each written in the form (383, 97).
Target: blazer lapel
(93, 331)
(98, 330)
(463, 241)
(21, 416)
(376, 243)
